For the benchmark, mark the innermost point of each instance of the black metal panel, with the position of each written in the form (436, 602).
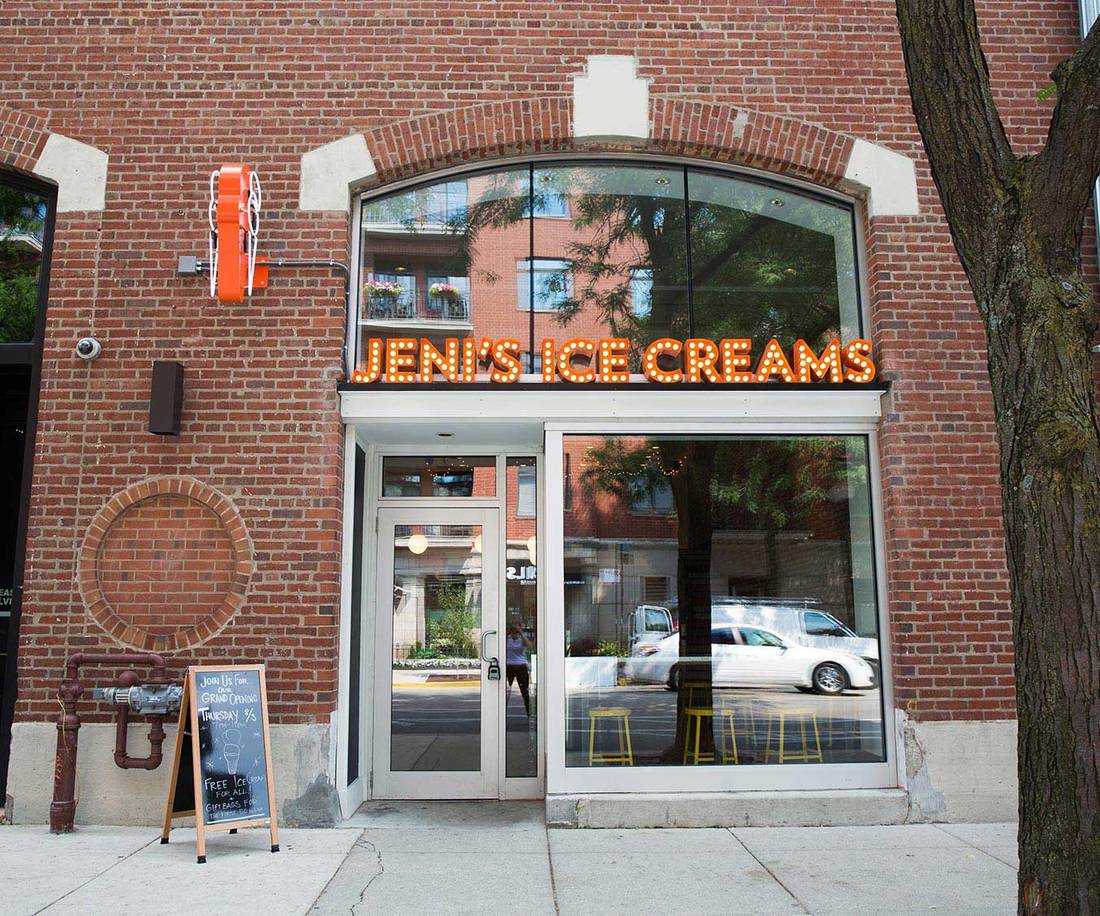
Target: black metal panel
(356, 629)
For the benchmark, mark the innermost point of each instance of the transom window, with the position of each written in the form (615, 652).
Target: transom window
(607, 249)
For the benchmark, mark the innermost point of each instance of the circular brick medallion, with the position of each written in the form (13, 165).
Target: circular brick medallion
(165, 564)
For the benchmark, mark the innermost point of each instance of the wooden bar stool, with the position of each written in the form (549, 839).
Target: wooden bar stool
(808, 752)
(694, 715)
(620, 718)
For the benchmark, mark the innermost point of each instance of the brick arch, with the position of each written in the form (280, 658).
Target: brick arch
(682, 127)
(168, 540)
(22, 137)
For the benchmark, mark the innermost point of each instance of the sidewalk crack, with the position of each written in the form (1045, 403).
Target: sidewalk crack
(368, 845)
(774, 876)
(96, 876)
(550, 865)
(985, 852)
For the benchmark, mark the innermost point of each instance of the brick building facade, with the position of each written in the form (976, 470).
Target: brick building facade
(237, 546)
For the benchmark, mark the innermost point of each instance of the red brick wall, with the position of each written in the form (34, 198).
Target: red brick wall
(170, 95)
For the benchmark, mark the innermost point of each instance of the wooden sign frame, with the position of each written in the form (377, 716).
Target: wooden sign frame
(189, 716)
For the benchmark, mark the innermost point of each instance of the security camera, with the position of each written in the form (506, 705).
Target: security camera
(88, 348)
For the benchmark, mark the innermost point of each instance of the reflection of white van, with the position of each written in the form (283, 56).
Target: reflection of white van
(648, 624)
(803, 625)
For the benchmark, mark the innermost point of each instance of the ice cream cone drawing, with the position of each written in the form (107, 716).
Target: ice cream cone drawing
(231, 749)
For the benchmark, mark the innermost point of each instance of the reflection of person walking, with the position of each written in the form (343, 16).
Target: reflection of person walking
(516, 665)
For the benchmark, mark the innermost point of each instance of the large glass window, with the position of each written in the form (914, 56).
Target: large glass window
(606, 249)
(25, 229)
(739, 627)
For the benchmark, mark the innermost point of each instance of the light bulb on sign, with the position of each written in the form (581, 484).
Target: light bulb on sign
(418, 544)
(531, 550)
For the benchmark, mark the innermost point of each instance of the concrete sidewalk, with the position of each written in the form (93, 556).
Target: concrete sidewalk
(498, 857)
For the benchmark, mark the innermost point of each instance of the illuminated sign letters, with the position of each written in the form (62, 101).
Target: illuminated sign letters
(581, 361)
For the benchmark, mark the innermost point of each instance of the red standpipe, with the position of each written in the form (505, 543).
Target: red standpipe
(63, 807)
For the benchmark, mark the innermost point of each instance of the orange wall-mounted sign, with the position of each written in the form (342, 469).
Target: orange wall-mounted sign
(666, 361)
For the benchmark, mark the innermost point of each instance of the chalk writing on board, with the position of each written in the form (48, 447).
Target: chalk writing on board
(231, 746)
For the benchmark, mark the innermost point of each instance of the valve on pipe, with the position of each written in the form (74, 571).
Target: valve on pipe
(143, 699)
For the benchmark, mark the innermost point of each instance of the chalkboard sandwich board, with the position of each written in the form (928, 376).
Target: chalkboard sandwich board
(221, 772)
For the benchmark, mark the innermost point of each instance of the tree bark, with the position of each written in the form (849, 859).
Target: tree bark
(1017, 223)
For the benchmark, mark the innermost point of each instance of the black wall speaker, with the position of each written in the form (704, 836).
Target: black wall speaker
(166, 398)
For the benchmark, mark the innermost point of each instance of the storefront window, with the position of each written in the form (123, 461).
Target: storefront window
(733, 622)
(638, 251)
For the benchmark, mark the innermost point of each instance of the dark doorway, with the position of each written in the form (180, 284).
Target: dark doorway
(26, 232)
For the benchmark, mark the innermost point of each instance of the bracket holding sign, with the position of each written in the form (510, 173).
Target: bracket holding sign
(233, 265)
(221, 771)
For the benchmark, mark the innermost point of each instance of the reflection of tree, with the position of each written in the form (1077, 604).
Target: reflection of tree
(768, 485)
(453, 631)
(21, 214)
(752, 275)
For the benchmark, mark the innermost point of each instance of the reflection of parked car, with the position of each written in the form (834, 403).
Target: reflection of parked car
(647, 625)
(804, 626)
(743, 656)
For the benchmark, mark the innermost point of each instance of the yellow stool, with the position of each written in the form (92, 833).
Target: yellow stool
(621, 719)
(808, 753)
(729, 752)
(746, 705)
(694, 715)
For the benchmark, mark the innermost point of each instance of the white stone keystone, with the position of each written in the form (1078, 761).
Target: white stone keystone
(610, 100)
(80, 171)
(329, 171)
(890, 179)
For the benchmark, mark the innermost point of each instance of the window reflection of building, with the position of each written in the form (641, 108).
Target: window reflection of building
(788, 516)
(606, 247)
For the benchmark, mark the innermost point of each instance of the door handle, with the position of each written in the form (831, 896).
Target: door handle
(484, 657)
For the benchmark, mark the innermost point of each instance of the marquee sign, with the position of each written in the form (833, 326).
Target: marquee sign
(667, 361)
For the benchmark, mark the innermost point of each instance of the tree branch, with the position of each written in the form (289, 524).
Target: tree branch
(963, 135)
(1070, 161)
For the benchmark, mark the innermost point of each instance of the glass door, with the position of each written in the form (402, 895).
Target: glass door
(439, 658)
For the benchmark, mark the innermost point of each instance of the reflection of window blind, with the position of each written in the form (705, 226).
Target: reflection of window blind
(654, 589)
(525, 495)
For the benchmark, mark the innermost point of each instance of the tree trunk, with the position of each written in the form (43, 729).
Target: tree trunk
(1017, 224)
(1041, 371)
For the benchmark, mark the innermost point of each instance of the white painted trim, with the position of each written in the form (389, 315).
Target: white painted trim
(889, 179)
(79, 170)
(553, 610)
(609, 407)
(894, 755)
(610, 100)
(329, 172)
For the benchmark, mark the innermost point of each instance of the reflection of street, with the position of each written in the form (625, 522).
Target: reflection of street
(848, 726)
(437, 727)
